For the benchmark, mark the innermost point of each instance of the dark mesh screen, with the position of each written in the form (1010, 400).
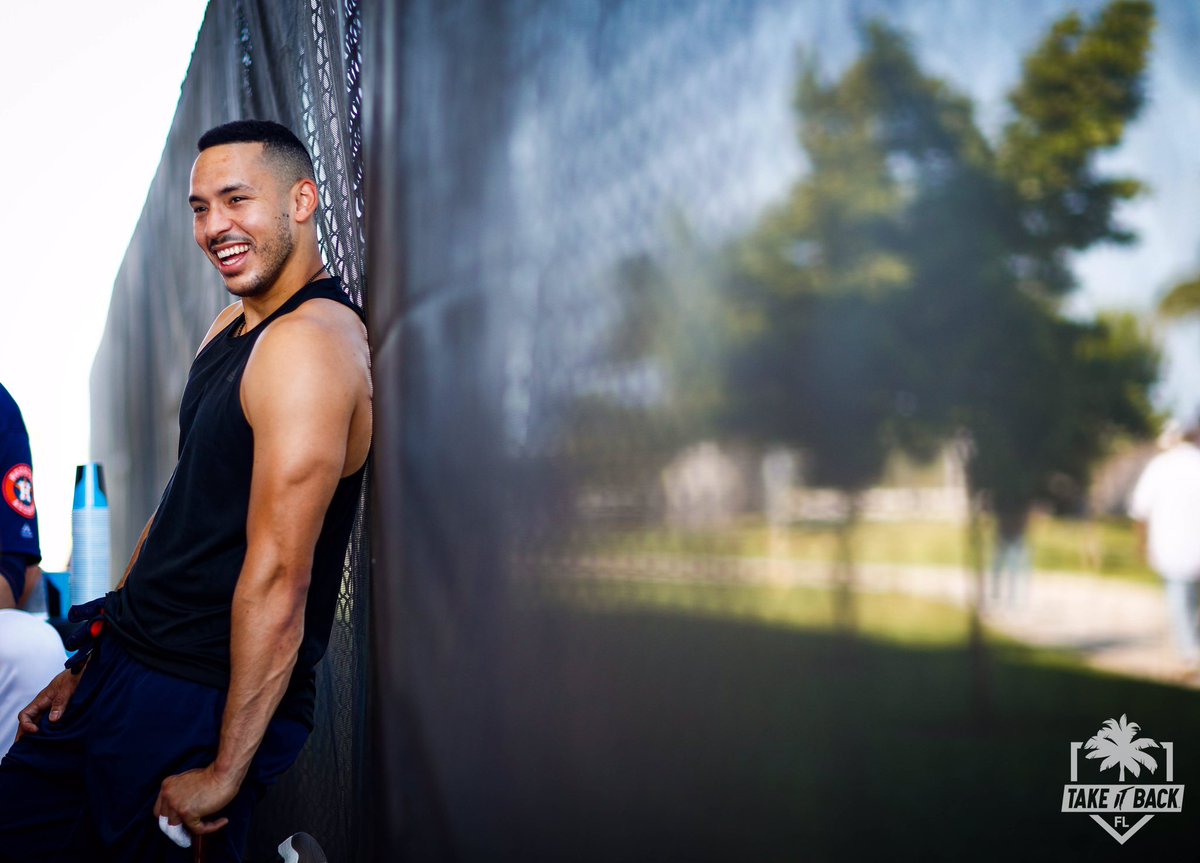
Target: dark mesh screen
(615, 611)
(539, 171)
(297, 63)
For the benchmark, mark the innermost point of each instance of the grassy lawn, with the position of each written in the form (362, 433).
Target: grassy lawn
(1103, 547)
(671, 722)
(900, 619)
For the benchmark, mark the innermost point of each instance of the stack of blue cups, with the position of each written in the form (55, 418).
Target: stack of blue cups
(91, 553)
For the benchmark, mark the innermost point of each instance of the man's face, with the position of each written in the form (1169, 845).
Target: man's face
(241, 216)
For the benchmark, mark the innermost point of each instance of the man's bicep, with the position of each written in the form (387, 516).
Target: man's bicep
(297, 451)
(300, 419)
(12, 579)
(297, 401)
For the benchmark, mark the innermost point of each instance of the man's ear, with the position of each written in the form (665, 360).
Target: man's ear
(305, 201)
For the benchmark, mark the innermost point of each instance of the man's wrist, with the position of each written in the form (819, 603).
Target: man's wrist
(227, 774)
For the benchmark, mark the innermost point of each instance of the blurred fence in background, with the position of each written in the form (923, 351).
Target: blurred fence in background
(642, 269)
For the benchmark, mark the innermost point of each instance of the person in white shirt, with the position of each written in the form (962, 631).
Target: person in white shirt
(1166, 508)
(31, 653)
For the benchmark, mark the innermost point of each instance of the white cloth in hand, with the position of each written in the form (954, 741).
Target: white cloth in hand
(175, 832)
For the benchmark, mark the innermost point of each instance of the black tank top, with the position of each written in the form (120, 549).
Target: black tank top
(173, 613)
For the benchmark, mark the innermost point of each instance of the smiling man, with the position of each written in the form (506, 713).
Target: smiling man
(199, 689)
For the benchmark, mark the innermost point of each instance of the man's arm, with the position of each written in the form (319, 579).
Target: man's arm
(299, 394)
(57, 694)
(13, 570)
(33, 581)
(137, 551)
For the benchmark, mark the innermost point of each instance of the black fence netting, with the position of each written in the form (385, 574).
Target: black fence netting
(550, 184)
(298, 63)
(707, 340)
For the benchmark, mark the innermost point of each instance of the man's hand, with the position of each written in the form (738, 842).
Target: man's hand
(53, 698)
(189, 798)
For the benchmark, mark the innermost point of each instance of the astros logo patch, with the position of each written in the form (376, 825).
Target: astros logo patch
(18, 489)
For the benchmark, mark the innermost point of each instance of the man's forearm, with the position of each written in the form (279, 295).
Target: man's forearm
(137, 551)
(267, 628)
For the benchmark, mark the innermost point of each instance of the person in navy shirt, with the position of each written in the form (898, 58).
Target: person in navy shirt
(30, 650)
(19, 549)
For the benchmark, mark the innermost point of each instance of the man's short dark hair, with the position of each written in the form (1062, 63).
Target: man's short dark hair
(279, 144)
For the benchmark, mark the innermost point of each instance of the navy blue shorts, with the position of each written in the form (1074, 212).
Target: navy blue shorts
(84, 788)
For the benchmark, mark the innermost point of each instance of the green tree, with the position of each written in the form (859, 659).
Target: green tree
(907, 290)
(1183, 300)
(809, 361)
(1092, 386)
(987, 348)
(1079, 90)
(1036, 397)
(1050, 394)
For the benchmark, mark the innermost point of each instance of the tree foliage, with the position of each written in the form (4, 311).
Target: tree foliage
(1182, 300)
(1065, 391)
(907, 290)
(1080, 88)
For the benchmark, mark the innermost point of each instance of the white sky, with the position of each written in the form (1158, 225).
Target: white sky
(88, 96)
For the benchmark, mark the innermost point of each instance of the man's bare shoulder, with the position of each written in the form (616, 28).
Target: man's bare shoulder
(318, 323)
(224, 319)
(311, 369)
(321, 340)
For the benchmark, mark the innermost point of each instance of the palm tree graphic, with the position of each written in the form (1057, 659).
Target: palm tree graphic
(1116, 744)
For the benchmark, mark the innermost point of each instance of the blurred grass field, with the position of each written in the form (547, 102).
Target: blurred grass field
(1106, 547)
(732, 722)
(893, 618)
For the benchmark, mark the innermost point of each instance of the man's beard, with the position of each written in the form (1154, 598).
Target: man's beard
(273, 254)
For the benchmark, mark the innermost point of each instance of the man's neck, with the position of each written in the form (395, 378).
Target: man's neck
(298, 273)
